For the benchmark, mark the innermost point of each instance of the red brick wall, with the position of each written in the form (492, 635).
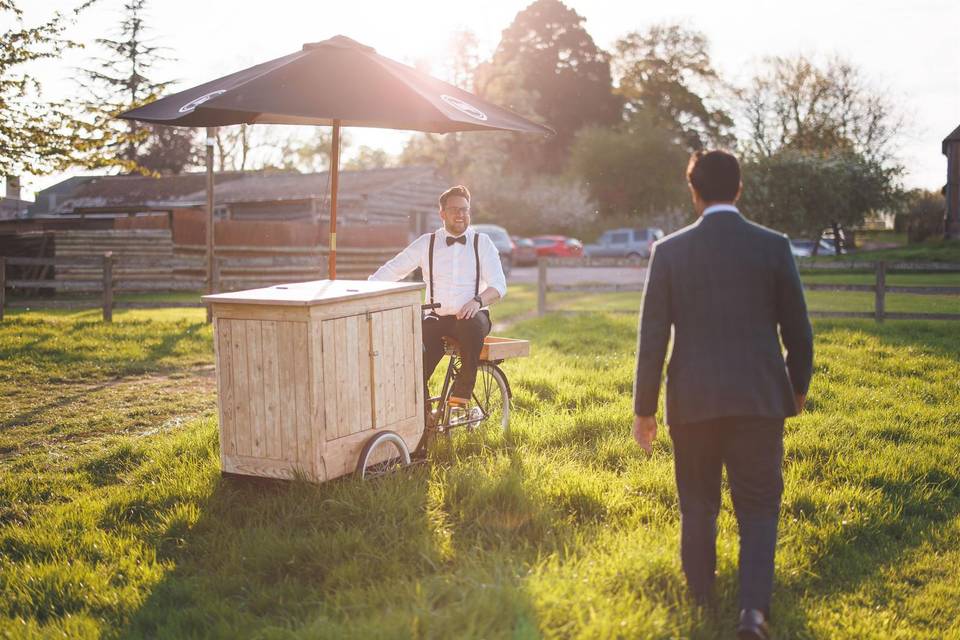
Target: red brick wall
(154, 221)
(190, 228)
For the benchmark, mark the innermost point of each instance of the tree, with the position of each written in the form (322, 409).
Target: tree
(36, 136)
(803, 193)
(796, 103)
(306, 155)
(636, 171)
(546, 57)
(119, 82)
(925, 215)
(530, 205)
(369, 158)
(664, 74)
(819, 151)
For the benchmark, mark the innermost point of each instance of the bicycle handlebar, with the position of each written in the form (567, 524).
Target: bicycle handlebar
(428, 307)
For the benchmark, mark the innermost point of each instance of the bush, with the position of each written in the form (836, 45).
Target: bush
(925, 216)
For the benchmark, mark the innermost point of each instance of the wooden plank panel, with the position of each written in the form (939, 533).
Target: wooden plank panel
(377, 384)
(302, 398)
(341, 383)
(409, 364)
(271, 390)
(362, 306)
(389, 375)
(395, 372)
(364, 364)
(418, 363)
(287, 407)
(249, 311)
(241, 383)
(352, 376)
(318, 424)
(224, 355)
(255, 389)
(330, 378)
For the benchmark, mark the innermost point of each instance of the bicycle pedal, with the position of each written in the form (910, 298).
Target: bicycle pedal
(474, 416)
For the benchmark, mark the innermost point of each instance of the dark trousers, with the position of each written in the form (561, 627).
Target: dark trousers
(469, 333)
(751, 448)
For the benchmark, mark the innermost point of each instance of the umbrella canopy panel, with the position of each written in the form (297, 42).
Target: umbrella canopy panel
(334, 80)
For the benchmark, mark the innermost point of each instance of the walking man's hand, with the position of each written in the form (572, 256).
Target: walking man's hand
(645, 432)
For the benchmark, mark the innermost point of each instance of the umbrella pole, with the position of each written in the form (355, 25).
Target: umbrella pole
(334, 181)
(211, 285)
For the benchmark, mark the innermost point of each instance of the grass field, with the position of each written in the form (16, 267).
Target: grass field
(115, 522)
(935, 250)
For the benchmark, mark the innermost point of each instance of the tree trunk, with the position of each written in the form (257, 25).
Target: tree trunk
(837, 243)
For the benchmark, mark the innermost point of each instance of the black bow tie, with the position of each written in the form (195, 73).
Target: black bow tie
(461, 239)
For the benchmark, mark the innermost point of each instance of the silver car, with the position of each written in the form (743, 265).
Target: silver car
(624, 243)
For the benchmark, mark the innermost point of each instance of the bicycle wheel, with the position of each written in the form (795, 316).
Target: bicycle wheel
(384, 453)
(492, 395)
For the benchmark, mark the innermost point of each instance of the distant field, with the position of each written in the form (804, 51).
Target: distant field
(115, 522)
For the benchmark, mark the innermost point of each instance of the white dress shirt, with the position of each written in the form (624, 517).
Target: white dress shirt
(454, 269)
(719, 207)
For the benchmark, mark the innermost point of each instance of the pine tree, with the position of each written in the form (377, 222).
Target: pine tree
(121, 81)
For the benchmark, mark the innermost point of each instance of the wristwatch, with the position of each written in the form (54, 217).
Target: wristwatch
(478, 299)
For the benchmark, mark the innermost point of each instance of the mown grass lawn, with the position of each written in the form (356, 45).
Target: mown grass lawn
(115, 521)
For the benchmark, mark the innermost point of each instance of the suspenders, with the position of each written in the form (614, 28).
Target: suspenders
(476, 258)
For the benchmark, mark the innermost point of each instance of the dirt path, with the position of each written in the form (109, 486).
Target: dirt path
(62, 415)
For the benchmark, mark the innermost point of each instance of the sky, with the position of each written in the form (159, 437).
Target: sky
(910, 49)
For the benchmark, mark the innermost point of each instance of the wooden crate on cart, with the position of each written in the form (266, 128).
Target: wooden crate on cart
(308, 372)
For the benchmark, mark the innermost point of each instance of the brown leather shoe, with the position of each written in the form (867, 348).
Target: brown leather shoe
(753, 625)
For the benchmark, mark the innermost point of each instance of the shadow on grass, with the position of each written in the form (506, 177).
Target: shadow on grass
(343, 559)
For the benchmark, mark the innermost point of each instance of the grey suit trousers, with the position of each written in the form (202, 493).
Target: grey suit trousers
(751, 449)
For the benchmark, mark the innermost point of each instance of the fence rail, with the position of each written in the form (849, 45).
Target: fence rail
(879, 288)
(235, 268)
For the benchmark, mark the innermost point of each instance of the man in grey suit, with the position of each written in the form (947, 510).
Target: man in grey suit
(731, 292)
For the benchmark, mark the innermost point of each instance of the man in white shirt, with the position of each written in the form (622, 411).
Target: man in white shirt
(464, 276)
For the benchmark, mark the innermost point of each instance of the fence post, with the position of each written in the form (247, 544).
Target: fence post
(881, 290)
(108, 286)
(3, 284)
(541, 286)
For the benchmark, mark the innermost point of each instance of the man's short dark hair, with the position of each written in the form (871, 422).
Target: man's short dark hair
(458, 190)
(714, 175)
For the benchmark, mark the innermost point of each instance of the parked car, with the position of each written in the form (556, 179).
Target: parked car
(558, 246)
(624, 243)
(525, 253)
(804, 248)
(503, 243)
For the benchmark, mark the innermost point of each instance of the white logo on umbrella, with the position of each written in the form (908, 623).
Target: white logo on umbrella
(196, 102)
(464, 107)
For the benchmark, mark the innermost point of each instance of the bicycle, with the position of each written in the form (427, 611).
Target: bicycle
(386, 452)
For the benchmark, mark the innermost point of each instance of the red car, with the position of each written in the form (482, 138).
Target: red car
(525, 253)
(558, 246)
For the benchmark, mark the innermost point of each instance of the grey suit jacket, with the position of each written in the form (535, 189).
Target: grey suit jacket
(725, 285)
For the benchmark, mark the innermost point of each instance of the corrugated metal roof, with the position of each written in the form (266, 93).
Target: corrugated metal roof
(115, 193)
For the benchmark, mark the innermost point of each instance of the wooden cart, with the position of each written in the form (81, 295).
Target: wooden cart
(308, 372)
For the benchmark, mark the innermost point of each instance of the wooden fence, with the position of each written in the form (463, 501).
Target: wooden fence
(236, 268)
(544, 287)
(880, 288)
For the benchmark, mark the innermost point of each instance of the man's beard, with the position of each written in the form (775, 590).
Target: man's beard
(456, 228)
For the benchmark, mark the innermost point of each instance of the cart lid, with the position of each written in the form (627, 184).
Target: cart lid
(315, 292)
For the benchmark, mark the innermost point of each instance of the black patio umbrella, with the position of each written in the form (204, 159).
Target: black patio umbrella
(340, 83)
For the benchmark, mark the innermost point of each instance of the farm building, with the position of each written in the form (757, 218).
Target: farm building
(269, 226)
